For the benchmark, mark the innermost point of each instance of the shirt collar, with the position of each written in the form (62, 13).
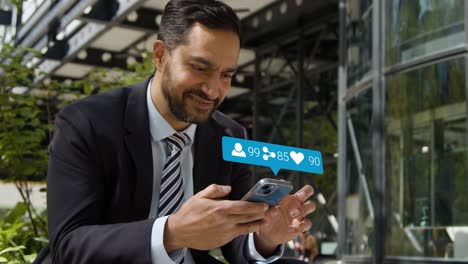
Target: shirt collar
(159, 127)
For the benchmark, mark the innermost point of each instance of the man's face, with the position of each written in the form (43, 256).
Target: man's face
(197, 75)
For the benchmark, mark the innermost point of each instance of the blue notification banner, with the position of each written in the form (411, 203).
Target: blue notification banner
(271, 155)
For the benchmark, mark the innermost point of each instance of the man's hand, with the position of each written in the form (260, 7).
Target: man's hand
(285, 221)
(205, 222)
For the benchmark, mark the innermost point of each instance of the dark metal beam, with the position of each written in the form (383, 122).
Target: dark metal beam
(34, 31)
(282, 113)
(5, 17)
(285, 15)
(378, 143)
(247, 82)
(90, 31)
(145, 18)
(103, 10)
(310, 32)
(94, 57)
(57, 51)
(255, 105)
(315, 95)
(300, 100)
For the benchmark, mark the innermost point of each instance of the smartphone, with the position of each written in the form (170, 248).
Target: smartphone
(268, 191)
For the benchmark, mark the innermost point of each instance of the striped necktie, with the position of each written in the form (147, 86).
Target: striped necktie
(172, 186)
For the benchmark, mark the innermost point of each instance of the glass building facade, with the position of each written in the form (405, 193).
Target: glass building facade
(402, 104)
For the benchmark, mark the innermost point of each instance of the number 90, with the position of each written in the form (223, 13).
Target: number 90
(314, 161)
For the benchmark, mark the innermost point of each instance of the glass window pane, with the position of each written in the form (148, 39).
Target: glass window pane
(416, 28)
(359, 40)
(359, 215)
(427, 168)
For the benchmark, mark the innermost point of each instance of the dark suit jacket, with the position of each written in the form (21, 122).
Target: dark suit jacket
(100, 179)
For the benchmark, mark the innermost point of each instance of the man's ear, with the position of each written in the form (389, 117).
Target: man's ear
(159, 54)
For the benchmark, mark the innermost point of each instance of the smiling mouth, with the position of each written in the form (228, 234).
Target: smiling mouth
(203, 103)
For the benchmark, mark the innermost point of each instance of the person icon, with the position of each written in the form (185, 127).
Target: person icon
(237, 151)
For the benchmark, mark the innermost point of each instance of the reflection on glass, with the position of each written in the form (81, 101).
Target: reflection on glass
(420, 27)
(359, 212)
(426, 137)
(359, 40)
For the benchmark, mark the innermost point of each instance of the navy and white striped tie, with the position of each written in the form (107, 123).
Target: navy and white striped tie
(171, 196)
(172, 186)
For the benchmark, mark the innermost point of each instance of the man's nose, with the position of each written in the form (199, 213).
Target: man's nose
(211, 88)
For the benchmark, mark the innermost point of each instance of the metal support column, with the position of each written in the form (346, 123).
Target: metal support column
(378, 140)
(342, 188)
(255, 105)
(300, 101)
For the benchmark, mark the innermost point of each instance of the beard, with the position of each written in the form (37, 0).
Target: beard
(180, 106)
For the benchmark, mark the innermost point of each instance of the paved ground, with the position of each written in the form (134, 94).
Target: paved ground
(9, 196)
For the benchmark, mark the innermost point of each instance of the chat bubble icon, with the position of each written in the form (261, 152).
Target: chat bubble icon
(274, 156)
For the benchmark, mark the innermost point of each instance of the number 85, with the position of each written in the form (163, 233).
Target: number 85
(283, 156)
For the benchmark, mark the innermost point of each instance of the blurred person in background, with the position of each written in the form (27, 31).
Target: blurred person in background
(308, 247)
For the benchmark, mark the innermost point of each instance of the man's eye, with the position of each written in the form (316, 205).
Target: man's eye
(227, 76)
(198, 68)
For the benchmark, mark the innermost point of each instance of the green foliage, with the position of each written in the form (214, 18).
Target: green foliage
(26, 120)
(22, 134)
(18, 243)
(23, 154)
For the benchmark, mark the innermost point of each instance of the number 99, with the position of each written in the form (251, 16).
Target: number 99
(254, 151)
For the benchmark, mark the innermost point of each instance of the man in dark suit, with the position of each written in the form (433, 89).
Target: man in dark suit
(136, 174)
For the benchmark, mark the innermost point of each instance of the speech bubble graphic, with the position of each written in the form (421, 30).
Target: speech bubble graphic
(274, 156)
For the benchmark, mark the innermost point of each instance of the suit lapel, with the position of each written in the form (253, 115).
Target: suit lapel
(208, 162)
(138, 142)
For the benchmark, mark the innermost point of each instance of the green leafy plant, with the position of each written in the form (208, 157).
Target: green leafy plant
(27, 108)
(23, 133)
(18, 242)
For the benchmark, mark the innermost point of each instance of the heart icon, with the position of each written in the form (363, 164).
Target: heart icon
(297, 157)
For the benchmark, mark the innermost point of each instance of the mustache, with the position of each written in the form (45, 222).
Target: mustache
(202, 95)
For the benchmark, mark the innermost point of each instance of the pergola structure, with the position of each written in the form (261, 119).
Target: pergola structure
(287, 68)
(76, 36)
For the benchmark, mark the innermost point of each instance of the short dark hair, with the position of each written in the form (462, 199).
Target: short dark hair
(180, 15)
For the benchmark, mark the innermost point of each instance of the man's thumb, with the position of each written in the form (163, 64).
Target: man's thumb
(215, 191)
